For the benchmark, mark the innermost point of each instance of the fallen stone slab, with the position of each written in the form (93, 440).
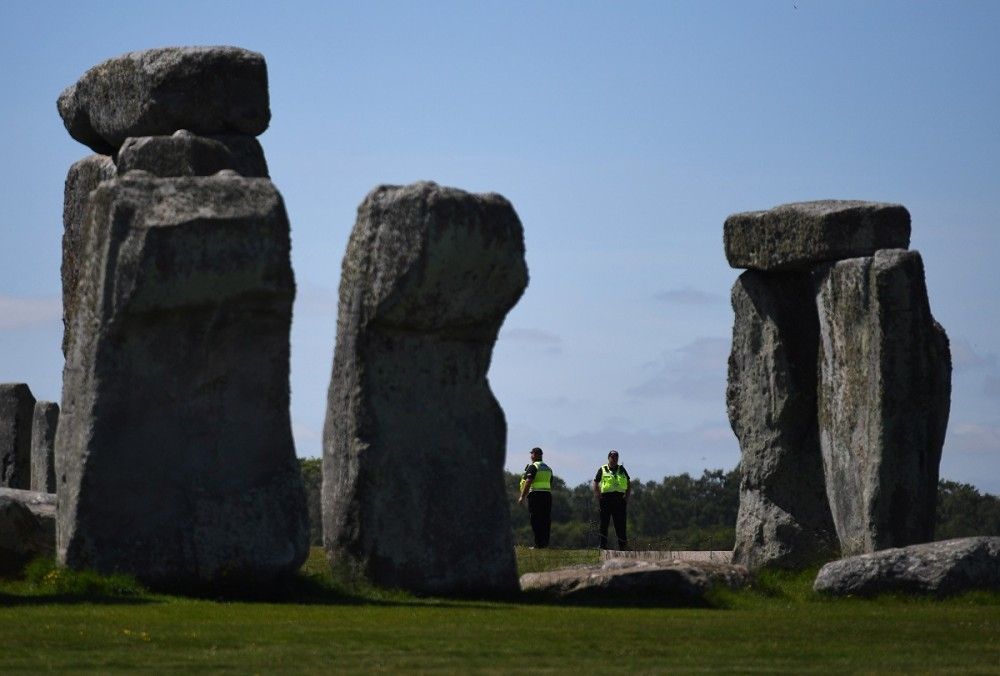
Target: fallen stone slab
(636, 582)
(174, 453)
(27, 528)
(783, 519)
(414, 443)
(940, 568)
(17, 406)
(43, 443)
(884, 399)
(186, 154)
(667, 555)
(206, 90)
(797, 236)
(82, 178)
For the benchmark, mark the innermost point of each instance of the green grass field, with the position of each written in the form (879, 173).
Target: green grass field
(55, 621)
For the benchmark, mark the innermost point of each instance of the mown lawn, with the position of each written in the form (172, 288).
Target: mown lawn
(780, 626)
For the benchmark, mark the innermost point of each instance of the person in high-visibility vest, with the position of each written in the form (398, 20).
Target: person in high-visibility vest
(612, 487)
(536, 486)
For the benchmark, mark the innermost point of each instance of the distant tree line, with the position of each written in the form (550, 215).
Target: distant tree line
(679, 512)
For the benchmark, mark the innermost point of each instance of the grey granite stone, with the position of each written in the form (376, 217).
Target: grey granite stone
(414, 444)
(783, 518)
(207, 90)
(186, 154)
(27, 528)
(884, 399)
(797, 236)
(636, 582)
(17, 406)
(174, 452)
(938, 568)
(43, 443)
(83, 177)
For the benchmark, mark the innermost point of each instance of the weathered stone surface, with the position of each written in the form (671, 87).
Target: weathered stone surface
(27, 528)
(413, 492)
(82, 178)
(174, 450)
(17, 406)
(637, 582)
(207, 90)
(783, 519)
(186, 154)
(43, 443)
(884, 399)
(799, 235)
(946, 567)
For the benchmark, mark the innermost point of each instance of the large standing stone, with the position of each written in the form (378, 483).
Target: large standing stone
(174, 451)
(43, 443)
(186, 154)
(83, 177)
(207, 90)
(17, 406)
(797, 236)
(946, 567)
(413, 490)
(27, 528)
(884, 398)
(783, 516)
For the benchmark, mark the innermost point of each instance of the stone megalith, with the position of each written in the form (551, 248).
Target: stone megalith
(83, 177)
(43, 444)
(174, 453)
(799, 235)
(884, 399)
(17, 406)
(414, 441)
(938, 568)
(206, 90)
(27, 528)
(186, 154)
(783, 518)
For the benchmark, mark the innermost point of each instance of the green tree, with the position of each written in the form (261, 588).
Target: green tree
(312, 479)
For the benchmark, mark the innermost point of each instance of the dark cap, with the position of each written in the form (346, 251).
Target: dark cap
(536, 449)
(613, 453)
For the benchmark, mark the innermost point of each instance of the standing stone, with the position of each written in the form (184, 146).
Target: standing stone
(81, 180)
(174, 450)
(43, 444)
(798, 236)
(414, 443)
(884, 399)
(186, 154)
(783, 517)
(17, 405)
(206, 90)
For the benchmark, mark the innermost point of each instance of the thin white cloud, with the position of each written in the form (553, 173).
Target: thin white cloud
(535, 336)
(688, 295)
(964, 357)
(694, 371)
(549, 343)
(973, 438)
(19, 313)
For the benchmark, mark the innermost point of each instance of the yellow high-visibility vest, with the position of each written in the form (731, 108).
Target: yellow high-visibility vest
(612, 482)
(543, 478)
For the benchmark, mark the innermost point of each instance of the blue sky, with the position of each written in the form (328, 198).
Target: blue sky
(623, 133)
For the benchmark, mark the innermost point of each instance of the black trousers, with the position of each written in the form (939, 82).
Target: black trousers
(540, 511)
(613, 507)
